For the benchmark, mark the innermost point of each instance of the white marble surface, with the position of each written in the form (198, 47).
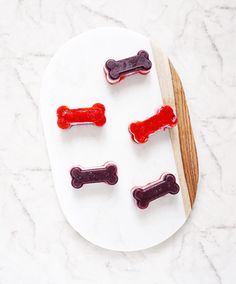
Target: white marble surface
(36, 243)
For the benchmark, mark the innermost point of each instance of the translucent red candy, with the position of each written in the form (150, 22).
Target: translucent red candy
(143, 195)
(106, 173)
(141, 130)
(117, 70)
(67, 117)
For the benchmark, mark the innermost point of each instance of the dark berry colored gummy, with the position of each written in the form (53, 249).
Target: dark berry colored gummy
(144, 195)
(117, 70)
(106, 173)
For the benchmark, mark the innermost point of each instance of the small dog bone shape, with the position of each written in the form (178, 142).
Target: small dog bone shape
(106, 173)
(144, 195)
(164, 118)
(116, 70)
(67, 117)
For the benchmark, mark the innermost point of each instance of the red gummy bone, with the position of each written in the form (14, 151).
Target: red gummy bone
(67, 117)
(164, 118)
(143, 195)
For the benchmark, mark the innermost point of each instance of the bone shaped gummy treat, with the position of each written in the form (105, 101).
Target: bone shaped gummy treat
(143, 195)
(117, 70)
(106, 173)
(67, 117)
(164, 118)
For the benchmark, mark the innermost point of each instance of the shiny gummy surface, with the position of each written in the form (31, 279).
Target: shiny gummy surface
(67, 117)
(106, 173)
(118, 70)
(164, 118)
(145, 194)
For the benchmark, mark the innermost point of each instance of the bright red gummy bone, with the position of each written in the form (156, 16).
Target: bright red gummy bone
(141, 130)
(68, 117)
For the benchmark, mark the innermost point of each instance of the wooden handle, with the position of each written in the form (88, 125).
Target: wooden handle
(182, 138)
(186, 138)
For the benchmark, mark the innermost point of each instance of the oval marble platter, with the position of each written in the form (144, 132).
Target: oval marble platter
(107, 215)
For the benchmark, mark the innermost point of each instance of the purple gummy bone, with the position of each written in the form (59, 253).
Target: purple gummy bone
(144, 195)
(111, 174)
(106, 173)
(137, 63)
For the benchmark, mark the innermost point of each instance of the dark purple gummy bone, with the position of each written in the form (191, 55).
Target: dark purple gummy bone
(106, 173)
(139, 62)
(144, 195)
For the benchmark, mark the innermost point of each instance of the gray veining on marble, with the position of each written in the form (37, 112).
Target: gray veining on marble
(36, 243)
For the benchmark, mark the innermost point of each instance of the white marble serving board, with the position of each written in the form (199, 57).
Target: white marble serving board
(106, 215)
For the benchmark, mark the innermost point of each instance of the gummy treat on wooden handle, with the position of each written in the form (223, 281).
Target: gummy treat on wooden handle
(90, 115)
(143, 195)
(164, 118)
(117, 70)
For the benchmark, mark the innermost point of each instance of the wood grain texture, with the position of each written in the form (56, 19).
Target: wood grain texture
(186, 138)
(182, 138)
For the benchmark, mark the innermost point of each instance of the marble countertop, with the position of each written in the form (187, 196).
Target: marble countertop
(36, 243)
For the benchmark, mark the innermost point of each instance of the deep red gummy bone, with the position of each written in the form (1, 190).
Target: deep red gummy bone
(141, 130)
(67, 117)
